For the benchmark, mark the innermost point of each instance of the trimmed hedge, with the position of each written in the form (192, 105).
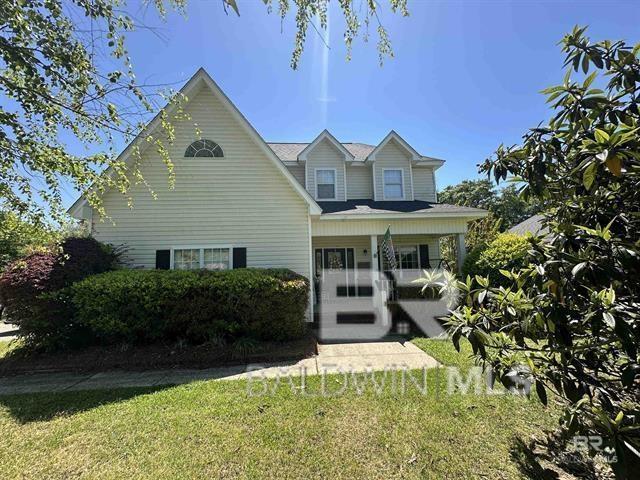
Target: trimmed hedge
(505, 252)
(147, 306)
(25, 283)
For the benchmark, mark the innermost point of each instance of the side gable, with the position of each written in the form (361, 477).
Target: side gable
(239, 199)
(202, 78)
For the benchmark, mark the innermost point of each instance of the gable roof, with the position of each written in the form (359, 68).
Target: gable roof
(392, 135)
(288, 152)
(201, 77)
(361, 152)
(325, 135)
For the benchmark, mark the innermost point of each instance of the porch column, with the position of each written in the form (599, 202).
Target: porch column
(461, 251)
(374, 253)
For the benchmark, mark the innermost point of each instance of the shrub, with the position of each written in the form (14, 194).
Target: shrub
(505, 252)
(572, 313)
(146, 306)
(26, 283)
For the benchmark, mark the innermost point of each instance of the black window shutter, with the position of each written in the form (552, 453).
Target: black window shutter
(424, 256)
(240, 258)
(163, 259)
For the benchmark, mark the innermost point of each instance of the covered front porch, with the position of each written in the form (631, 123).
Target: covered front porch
(349, 254)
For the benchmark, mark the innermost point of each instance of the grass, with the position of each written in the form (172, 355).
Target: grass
(445, 353)
(7, 346)
(217, 430)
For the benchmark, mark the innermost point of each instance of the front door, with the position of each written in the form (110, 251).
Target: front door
(336, 260)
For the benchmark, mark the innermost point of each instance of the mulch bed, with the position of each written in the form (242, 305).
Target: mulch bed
(151, 357)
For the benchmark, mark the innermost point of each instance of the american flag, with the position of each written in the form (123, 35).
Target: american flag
(388, 251)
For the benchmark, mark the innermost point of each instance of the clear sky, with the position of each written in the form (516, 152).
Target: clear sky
(466, 75)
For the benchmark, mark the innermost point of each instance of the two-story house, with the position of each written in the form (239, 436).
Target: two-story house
(239, 201)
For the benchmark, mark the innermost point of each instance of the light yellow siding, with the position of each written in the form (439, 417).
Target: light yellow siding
(392, 156)
(240, 200)
(359, 182)
(424, 183)
(325, 155)
(298, 172)
(433, 226)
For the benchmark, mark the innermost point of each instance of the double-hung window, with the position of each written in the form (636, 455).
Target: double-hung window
(216, 258)
(186, 259)
(406, 258)
(197, 258)
(325, 184)
(393, 184)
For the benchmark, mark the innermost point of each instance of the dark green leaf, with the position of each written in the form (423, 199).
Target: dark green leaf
(542, 393)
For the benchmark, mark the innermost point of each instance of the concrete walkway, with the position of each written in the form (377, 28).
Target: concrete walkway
(335, 358)
(7, 331)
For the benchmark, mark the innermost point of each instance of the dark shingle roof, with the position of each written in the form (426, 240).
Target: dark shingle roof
(288, 152)
(366, 206)
(532, 225)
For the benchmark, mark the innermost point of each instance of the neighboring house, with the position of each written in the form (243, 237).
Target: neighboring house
(240, 201)
(532, 225)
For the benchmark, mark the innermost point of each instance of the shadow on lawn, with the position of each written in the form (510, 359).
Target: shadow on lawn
(37, 407)
(547, 460)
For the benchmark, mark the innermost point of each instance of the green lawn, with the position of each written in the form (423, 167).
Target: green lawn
(216, 430)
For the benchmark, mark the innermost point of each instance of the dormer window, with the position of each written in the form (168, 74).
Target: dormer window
(393, 184)
(325, 184)
(204, 148)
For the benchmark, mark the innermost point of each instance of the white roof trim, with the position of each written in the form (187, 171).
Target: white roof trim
(436, 163)
(392, 135)
(201, 76)
(325, 135)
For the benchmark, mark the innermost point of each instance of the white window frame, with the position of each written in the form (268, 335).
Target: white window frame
(397, 248)
(202, 249)
(335, 183)
(384, 189)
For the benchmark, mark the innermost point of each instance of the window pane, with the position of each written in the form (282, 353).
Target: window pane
(409, 258)
(393, 177)
(326, 191)
(393, 191)
(326, 176)
(216, 258)
(406, 259)
(186, 259)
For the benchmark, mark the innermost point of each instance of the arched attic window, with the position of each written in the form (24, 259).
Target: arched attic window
(203, 148)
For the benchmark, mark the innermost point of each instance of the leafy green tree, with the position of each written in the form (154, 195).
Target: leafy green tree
(66, 73)
(507, 207)
(307, 11)
(511, 208)
(507, 204)
(470, 193)
(18, 237)
(572, 313)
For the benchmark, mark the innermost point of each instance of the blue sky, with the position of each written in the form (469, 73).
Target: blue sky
(465, 76)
